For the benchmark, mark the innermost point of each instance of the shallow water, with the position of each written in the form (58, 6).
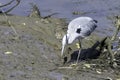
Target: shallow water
(97, 9)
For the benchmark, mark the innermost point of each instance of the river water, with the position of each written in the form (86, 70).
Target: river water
(97, 9)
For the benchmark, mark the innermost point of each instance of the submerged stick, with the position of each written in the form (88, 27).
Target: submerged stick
(7, 4)
(18, 1)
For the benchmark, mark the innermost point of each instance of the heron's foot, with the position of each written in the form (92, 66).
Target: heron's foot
(73, 65)
(64, 59)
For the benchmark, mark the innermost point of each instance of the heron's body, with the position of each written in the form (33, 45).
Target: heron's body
(78, 28)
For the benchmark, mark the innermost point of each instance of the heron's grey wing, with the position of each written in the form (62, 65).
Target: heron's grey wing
(87, 28)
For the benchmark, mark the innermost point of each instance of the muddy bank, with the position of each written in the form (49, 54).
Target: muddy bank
(34, 52)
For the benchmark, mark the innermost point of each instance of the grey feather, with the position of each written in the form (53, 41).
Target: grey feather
(79, 28)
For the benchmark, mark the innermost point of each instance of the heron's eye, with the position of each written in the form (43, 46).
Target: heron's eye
(78, 30)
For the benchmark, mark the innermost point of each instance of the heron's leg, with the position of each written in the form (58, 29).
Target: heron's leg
(80, 48)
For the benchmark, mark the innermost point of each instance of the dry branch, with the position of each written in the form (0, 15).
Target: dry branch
(35, 11)
(117, 24)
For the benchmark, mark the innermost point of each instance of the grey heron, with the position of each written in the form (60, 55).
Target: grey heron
(78, 28)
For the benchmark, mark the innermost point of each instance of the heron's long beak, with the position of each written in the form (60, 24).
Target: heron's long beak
(64, 42)
(63, 46)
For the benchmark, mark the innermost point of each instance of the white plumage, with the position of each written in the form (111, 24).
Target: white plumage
(78, 28)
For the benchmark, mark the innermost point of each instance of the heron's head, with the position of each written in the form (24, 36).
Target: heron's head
(68, 39)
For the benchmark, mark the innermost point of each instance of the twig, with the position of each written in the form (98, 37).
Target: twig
(65, 67)
(48, 16)
(9, 23)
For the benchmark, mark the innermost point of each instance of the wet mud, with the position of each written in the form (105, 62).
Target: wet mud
(33, 52)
